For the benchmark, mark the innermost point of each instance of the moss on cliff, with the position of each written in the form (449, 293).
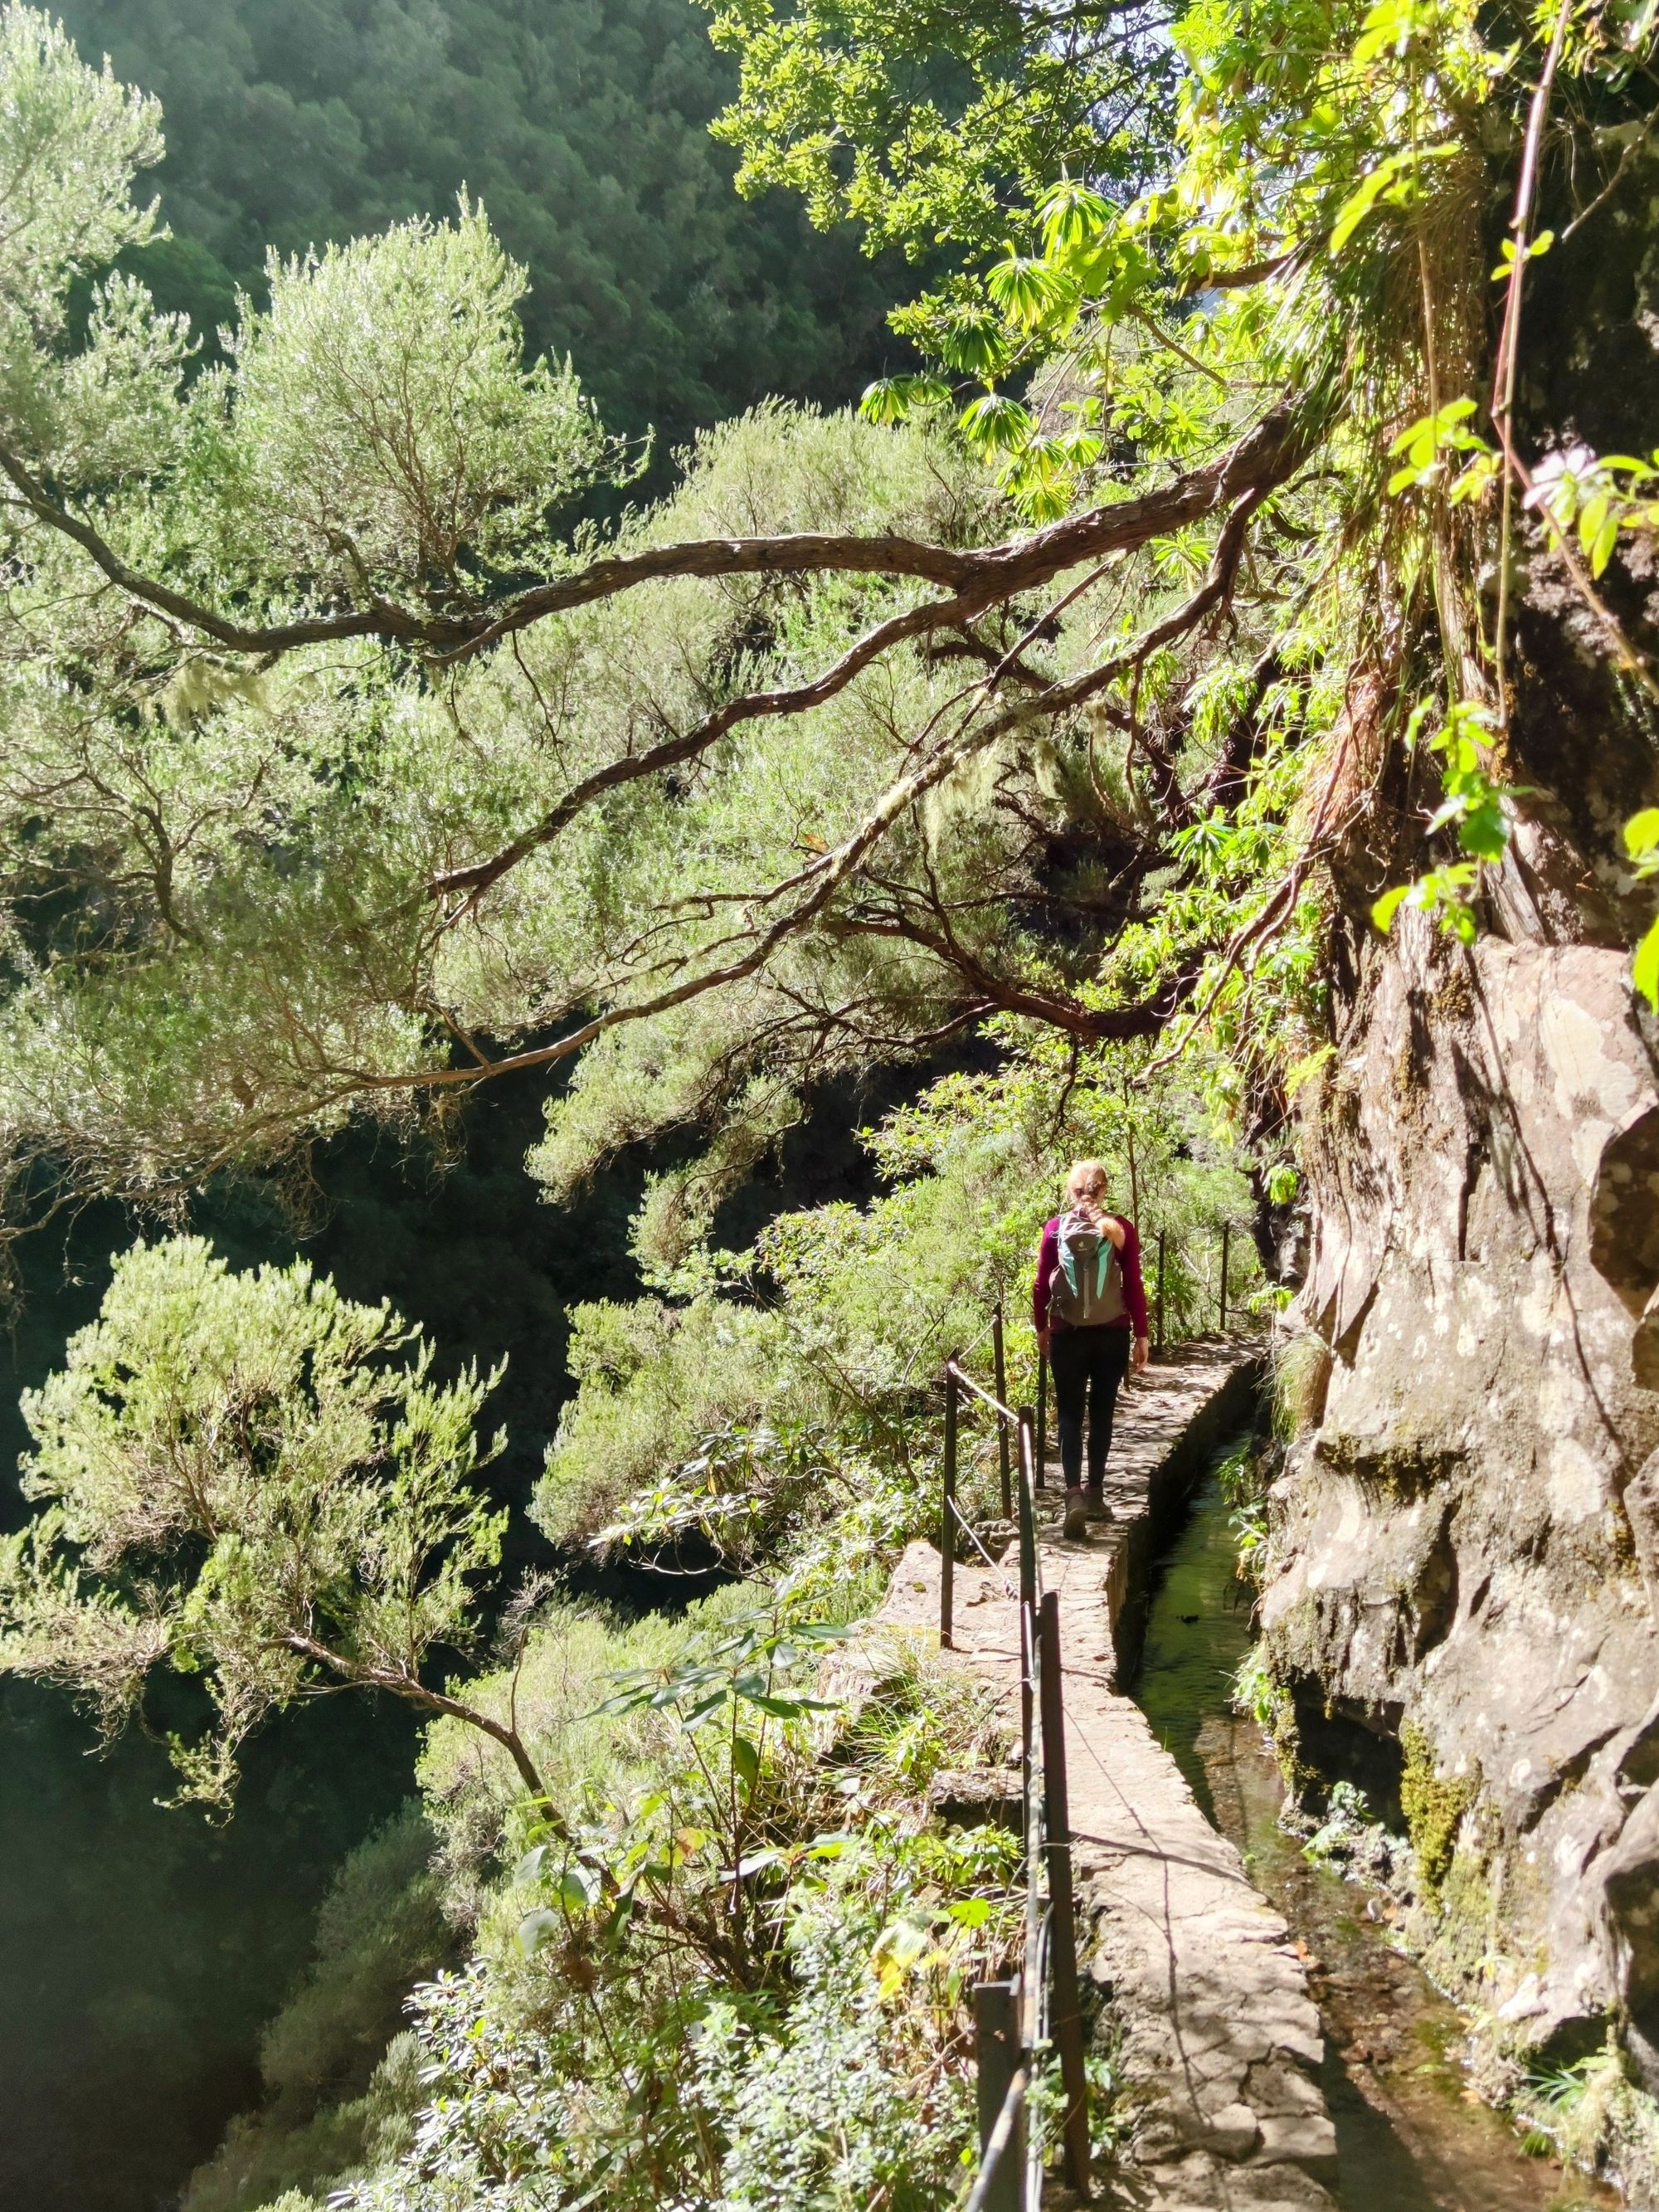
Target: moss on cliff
(1434, 1804)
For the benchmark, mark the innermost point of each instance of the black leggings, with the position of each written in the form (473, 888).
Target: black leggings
(1089, 1364)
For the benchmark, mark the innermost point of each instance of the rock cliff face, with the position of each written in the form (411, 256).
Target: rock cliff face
(1465, 1594)
(1468, 1544)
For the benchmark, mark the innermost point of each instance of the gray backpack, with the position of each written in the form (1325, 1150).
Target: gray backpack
(1087, 1288)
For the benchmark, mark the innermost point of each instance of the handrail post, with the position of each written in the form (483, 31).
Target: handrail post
(1226, 1231)
(1027, 1509)
(996, 2051)
(1162, 1240)
(1065, 2014)
(1001, 1366)
(1042, 1416)
(1027, 1605)
(947, 1519)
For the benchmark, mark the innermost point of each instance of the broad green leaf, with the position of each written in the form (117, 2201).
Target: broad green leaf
(997, 423)
(1384, 909)
(538, 1928)
(974, 345)
(1072, 213)
(1031, 293)
(971, 1911)
(1644, 972)
(745, 1761)
(1395, 171)
(579, 1887)
(1641, 834)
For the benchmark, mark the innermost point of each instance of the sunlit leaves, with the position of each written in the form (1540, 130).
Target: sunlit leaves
(1475, 807)
(1396, 182)
(387, 430)
(1508, 259)
(974, 344)
(1072, 215)
(893, 399)
(1429, 447)
(1031, 292)
(1641, 843)
(241, 1482)
(998, 424)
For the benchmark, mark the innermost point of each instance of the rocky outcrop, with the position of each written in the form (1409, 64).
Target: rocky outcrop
(1467, 1548)
(1463, 1596)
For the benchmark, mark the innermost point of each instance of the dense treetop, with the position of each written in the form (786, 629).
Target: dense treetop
(581, 127)
(345, 761)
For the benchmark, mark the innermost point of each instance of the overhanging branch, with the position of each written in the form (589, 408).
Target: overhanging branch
(1263, 459)
(1264, 456)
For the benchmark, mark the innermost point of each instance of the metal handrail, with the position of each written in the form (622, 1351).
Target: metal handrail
(967, 1382)
(1049, 2003)
(1050, 1937)
(1000, 2141)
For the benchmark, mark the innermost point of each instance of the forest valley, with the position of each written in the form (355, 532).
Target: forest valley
(1201, 711)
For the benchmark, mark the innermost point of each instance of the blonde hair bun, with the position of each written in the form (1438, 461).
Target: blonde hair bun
(1087, 1182)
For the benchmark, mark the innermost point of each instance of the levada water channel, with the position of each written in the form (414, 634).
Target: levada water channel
(1411, 2136)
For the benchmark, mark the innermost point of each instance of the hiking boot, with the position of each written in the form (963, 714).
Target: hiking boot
(1076, 1522)
(1098, 1508)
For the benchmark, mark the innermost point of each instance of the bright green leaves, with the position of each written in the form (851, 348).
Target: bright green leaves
(1429, 447)
(71, 141)
(242, 1482)
(1641, 843)
(997, 425)
(388, 433)
(1475, 808)
(1033, 293)
(1509, 259)
(1074, 216)
(893, 399)
(928, 125)
(1396, 182)
(743, 1673)
(973, 342)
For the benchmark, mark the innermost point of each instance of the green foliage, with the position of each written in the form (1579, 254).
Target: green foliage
(1594, 2114)
(1301, 1374)
(558, 1685)
(384, 424)
(295, 123)
(788, 1409)
(736, 1913)
(931, 122)
(654, 1384)
(1347, 1815)
(335, 2095)
(1243, 1490)
(1474, 808)
(243, 1487)
(1641, 843)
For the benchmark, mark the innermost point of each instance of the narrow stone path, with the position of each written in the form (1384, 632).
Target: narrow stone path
(1217, 2036)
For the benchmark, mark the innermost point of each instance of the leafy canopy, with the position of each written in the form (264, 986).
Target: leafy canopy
(243, 1482)
(300, 123)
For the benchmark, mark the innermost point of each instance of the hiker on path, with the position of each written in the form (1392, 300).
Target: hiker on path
(1089, 1306)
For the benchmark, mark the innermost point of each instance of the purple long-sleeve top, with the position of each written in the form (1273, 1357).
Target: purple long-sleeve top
(1134, 1290)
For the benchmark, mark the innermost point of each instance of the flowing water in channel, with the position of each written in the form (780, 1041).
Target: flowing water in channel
(1411, 2137)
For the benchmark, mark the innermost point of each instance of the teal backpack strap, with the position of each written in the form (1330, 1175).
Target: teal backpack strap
(1103, 1266)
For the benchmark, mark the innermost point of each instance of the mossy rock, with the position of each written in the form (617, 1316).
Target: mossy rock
(1434, 1805)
